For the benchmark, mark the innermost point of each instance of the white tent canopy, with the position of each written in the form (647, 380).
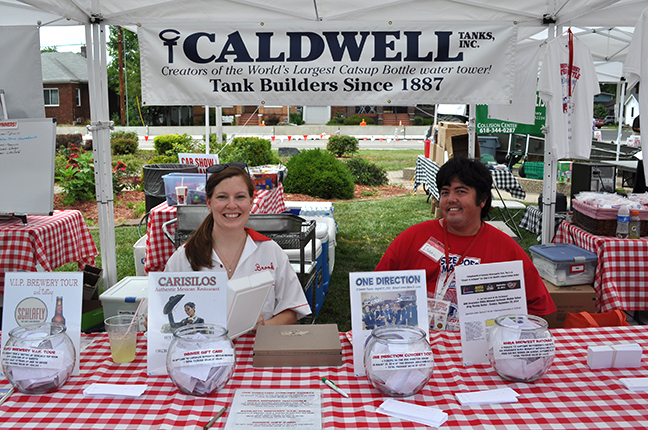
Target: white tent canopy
(531, 16)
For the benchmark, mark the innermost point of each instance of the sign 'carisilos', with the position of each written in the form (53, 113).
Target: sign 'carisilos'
(342, 63)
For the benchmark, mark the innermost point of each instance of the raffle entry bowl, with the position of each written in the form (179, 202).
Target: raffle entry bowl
(201, 359)
(38, 359)
(398, 360)
(521, 347)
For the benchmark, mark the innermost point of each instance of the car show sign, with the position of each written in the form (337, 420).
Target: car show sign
(325, 63)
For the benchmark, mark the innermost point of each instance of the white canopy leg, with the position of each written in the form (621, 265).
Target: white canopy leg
(100, 128)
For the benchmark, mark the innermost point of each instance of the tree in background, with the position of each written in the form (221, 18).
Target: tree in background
(152, 115)
(132, 75)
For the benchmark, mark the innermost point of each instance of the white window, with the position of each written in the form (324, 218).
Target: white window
(78, 96)
(51, 96)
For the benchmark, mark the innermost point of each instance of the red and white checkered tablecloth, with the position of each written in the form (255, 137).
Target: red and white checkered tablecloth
(622, 270)
(159, 248)
(50, 241)
(569, 396)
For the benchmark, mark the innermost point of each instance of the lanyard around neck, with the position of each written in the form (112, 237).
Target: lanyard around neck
(446, 246)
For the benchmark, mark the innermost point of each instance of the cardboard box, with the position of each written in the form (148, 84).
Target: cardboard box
(297, 346)
(437, 154)
(572, 299)
(447, 130)
(458, 147)
(92, 282)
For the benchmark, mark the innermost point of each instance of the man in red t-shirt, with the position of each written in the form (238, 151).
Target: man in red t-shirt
(465, 192)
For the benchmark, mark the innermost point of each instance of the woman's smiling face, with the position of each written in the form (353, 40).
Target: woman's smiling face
(230, 203)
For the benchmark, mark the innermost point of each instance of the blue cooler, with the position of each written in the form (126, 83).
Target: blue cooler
(321, 233)
(317, 269)
(322, 213)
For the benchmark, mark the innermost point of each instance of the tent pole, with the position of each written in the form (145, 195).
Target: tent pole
(206, 129)
(471, 130)
(100, 128)
(219, 124)
(549, 176)
(620, 124)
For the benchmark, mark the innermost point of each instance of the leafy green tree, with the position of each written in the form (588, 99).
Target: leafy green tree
(132, 74)
(50, 49)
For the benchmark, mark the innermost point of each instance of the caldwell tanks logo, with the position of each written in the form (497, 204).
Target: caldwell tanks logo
(31, 311)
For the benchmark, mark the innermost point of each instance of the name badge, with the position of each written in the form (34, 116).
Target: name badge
(433, 249)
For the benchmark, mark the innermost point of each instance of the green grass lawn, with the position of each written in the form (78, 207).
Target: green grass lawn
(365, 229)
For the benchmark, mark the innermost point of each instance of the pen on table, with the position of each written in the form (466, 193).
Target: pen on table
(213, 420)
(335, 387)
(6, 395)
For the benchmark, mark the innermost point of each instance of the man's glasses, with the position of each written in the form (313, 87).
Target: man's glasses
(220, 167)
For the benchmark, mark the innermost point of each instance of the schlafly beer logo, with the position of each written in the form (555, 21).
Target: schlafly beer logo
(31, 311)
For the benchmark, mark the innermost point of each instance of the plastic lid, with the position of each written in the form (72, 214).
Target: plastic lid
(563, 252)
(634, 212)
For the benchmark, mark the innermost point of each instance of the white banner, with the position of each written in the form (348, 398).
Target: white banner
(322, 64)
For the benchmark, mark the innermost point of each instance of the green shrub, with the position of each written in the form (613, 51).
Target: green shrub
(338, 119)
(341, 145)
(253, 150)
(365, 172)
(296, 118)
(166, 142)
(163, 159)
(124, 142)
(317, 173)
(423, 121)
(215, 147)
(77, 178)
(357, 119)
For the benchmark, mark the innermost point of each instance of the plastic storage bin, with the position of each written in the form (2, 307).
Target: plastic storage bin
(124, 296)
(195, 183)
(564, 264)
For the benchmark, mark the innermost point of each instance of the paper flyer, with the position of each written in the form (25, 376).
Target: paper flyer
(179, 299)
(33, 298)
(385, 298)
(484, 292)
(275, 409)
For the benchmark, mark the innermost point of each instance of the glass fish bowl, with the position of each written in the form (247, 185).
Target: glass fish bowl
(201, 359)
(521, 347)
(38, 359)
(398, 360)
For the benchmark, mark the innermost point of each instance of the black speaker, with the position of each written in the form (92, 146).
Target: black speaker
(561, 202)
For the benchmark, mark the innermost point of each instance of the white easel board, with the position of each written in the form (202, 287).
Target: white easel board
(27, 148)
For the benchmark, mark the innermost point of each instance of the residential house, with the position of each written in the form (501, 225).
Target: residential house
(65, 87)
(631, 109)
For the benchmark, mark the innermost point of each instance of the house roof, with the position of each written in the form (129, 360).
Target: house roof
(64, 68)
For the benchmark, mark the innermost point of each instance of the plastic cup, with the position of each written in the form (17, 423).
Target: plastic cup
(122, 333)
(181, 192)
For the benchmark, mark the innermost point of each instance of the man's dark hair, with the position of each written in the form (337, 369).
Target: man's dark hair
(473, 174)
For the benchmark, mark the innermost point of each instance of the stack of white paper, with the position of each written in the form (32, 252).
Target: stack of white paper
(432, 417)
(500, 395)
(129, 391)
(635, 384)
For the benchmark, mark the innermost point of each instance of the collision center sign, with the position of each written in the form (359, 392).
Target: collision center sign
(320, 64)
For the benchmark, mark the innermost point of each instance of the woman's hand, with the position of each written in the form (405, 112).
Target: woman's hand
(260, 321)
